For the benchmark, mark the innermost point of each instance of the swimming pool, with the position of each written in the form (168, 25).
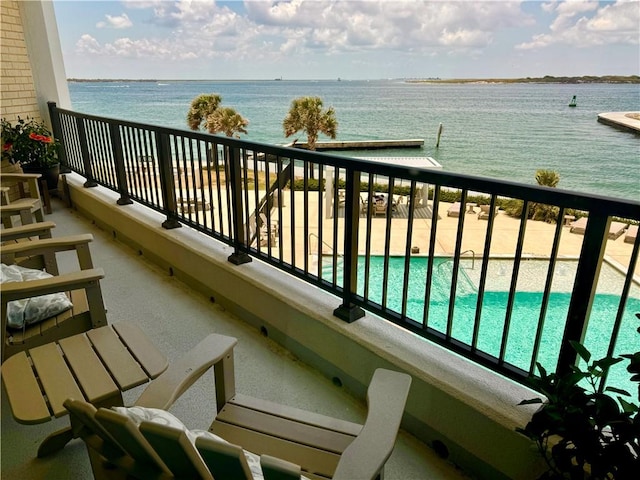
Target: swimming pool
(526, 307)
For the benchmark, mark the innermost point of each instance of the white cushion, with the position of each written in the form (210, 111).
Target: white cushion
(155, 415)
(35, 309)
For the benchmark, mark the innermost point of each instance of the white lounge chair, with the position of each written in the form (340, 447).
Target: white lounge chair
(615, 228)
(632, 234)
(454, 210)
(484, 213)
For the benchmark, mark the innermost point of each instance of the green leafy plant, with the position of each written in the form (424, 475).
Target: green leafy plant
(584, 433)
(29, 143)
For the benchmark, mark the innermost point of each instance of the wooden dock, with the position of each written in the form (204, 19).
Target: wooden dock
(362, 144)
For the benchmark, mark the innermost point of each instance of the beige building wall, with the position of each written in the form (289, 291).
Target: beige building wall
(18, 94)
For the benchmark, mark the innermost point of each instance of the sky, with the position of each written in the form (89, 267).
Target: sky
(347, 39)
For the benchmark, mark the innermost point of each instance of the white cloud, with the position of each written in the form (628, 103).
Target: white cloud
(89, 45)
(296, 30)
(118, 22)
(274, 28)
(614, 23)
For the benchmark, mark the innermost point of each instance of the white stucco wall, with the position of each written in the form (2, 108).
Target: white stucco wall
(45, 55)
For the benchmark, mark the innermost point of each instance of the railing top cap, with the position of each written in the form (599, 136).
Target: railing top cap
(416, 162)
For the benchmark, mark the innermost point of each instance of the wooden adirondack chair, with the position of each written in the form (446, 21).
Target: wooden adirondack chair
(82, 288)
(290, 442)
(39, 230)
(26, 204)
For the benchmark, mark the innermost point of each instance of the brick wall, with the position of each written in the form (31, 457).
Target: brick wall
(18, 95)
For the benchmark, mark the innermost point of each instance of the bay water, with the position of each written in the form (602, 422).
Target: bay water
(499, 130)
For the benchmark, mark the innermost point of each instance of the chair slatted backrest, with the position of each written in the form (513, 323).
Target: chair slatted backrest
(224, 460)
(126, 433)
(83, 419)
(176, 450)
(277, 469)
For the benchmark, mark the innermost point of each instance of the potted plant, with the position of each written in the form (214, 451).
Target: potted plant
(584, 433)
(31, 145)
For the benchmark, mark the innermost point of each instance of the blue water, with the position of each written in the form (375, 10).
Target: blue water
(504, 131)
(524, 320)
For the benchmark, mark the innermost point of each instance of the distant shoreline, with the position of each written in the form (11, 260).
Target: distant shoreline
(633, 79)
(545, 79)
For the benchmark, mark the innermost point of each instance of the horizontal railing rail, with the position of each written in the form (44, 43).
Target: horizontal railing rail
(369, 221)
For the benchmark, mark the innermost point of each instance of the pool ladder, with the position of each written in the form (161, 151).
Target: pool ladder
(473, 259)
(311, 235)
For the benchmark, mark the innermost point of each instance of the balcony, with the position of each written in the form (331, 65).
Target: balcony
(176, 318)
(269, 274)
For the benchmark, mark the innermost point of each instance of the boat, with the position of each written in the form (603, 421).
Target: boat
(573, 102)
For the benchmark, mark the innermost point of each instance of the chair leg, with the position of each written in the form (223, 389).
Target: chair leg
(46, 198)
(26, 217)
(55, 442)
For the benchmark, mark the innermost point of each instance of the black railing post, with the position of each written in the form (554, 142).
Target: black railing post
(118, 158)
(54, 117)
(240, 239)
(84, 151)
(584, 288)
(348, 311)
(167, 181)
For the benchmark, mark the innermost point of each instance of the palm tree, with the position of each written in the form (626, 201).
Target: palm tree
(201, 107)
(306, 115)
(227, 121)
(539, 211)
(547, 178)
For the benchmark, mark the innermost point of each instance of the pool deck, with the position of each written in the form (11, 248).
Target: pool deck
(538, 238)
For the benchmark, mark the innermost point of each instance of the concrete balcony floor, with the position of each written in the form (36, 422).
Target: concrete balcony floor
(175, 318)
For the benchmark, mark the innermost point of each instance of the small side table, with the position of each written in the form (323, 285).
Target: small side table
(96, 366)
(568, 219)
(471, 207)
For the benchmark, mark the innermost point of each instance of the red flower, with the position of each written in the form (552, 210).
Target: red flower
(40, 138)
(7, 146)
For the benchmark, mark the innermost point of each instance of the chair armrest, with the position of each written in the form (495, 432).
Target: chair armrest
(59, 244)
(38, 229)
(61, 283)
(47, 247)
(19, 177)
(164, 390)
(365, 457)
(29, 178)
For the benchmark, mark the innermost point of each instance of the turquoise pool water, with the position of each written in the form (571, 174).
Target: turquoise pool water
(526, 310)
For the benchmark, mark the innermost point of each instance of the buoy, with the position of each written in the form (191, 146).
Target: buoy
(573, 102)
(440, 129)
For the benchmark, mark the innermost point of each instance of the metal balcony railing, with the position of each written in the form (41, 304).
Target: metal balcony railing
(313, 215)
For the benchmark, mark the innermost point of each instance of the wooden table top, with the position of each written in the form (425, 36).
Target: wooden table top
(94, 366)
